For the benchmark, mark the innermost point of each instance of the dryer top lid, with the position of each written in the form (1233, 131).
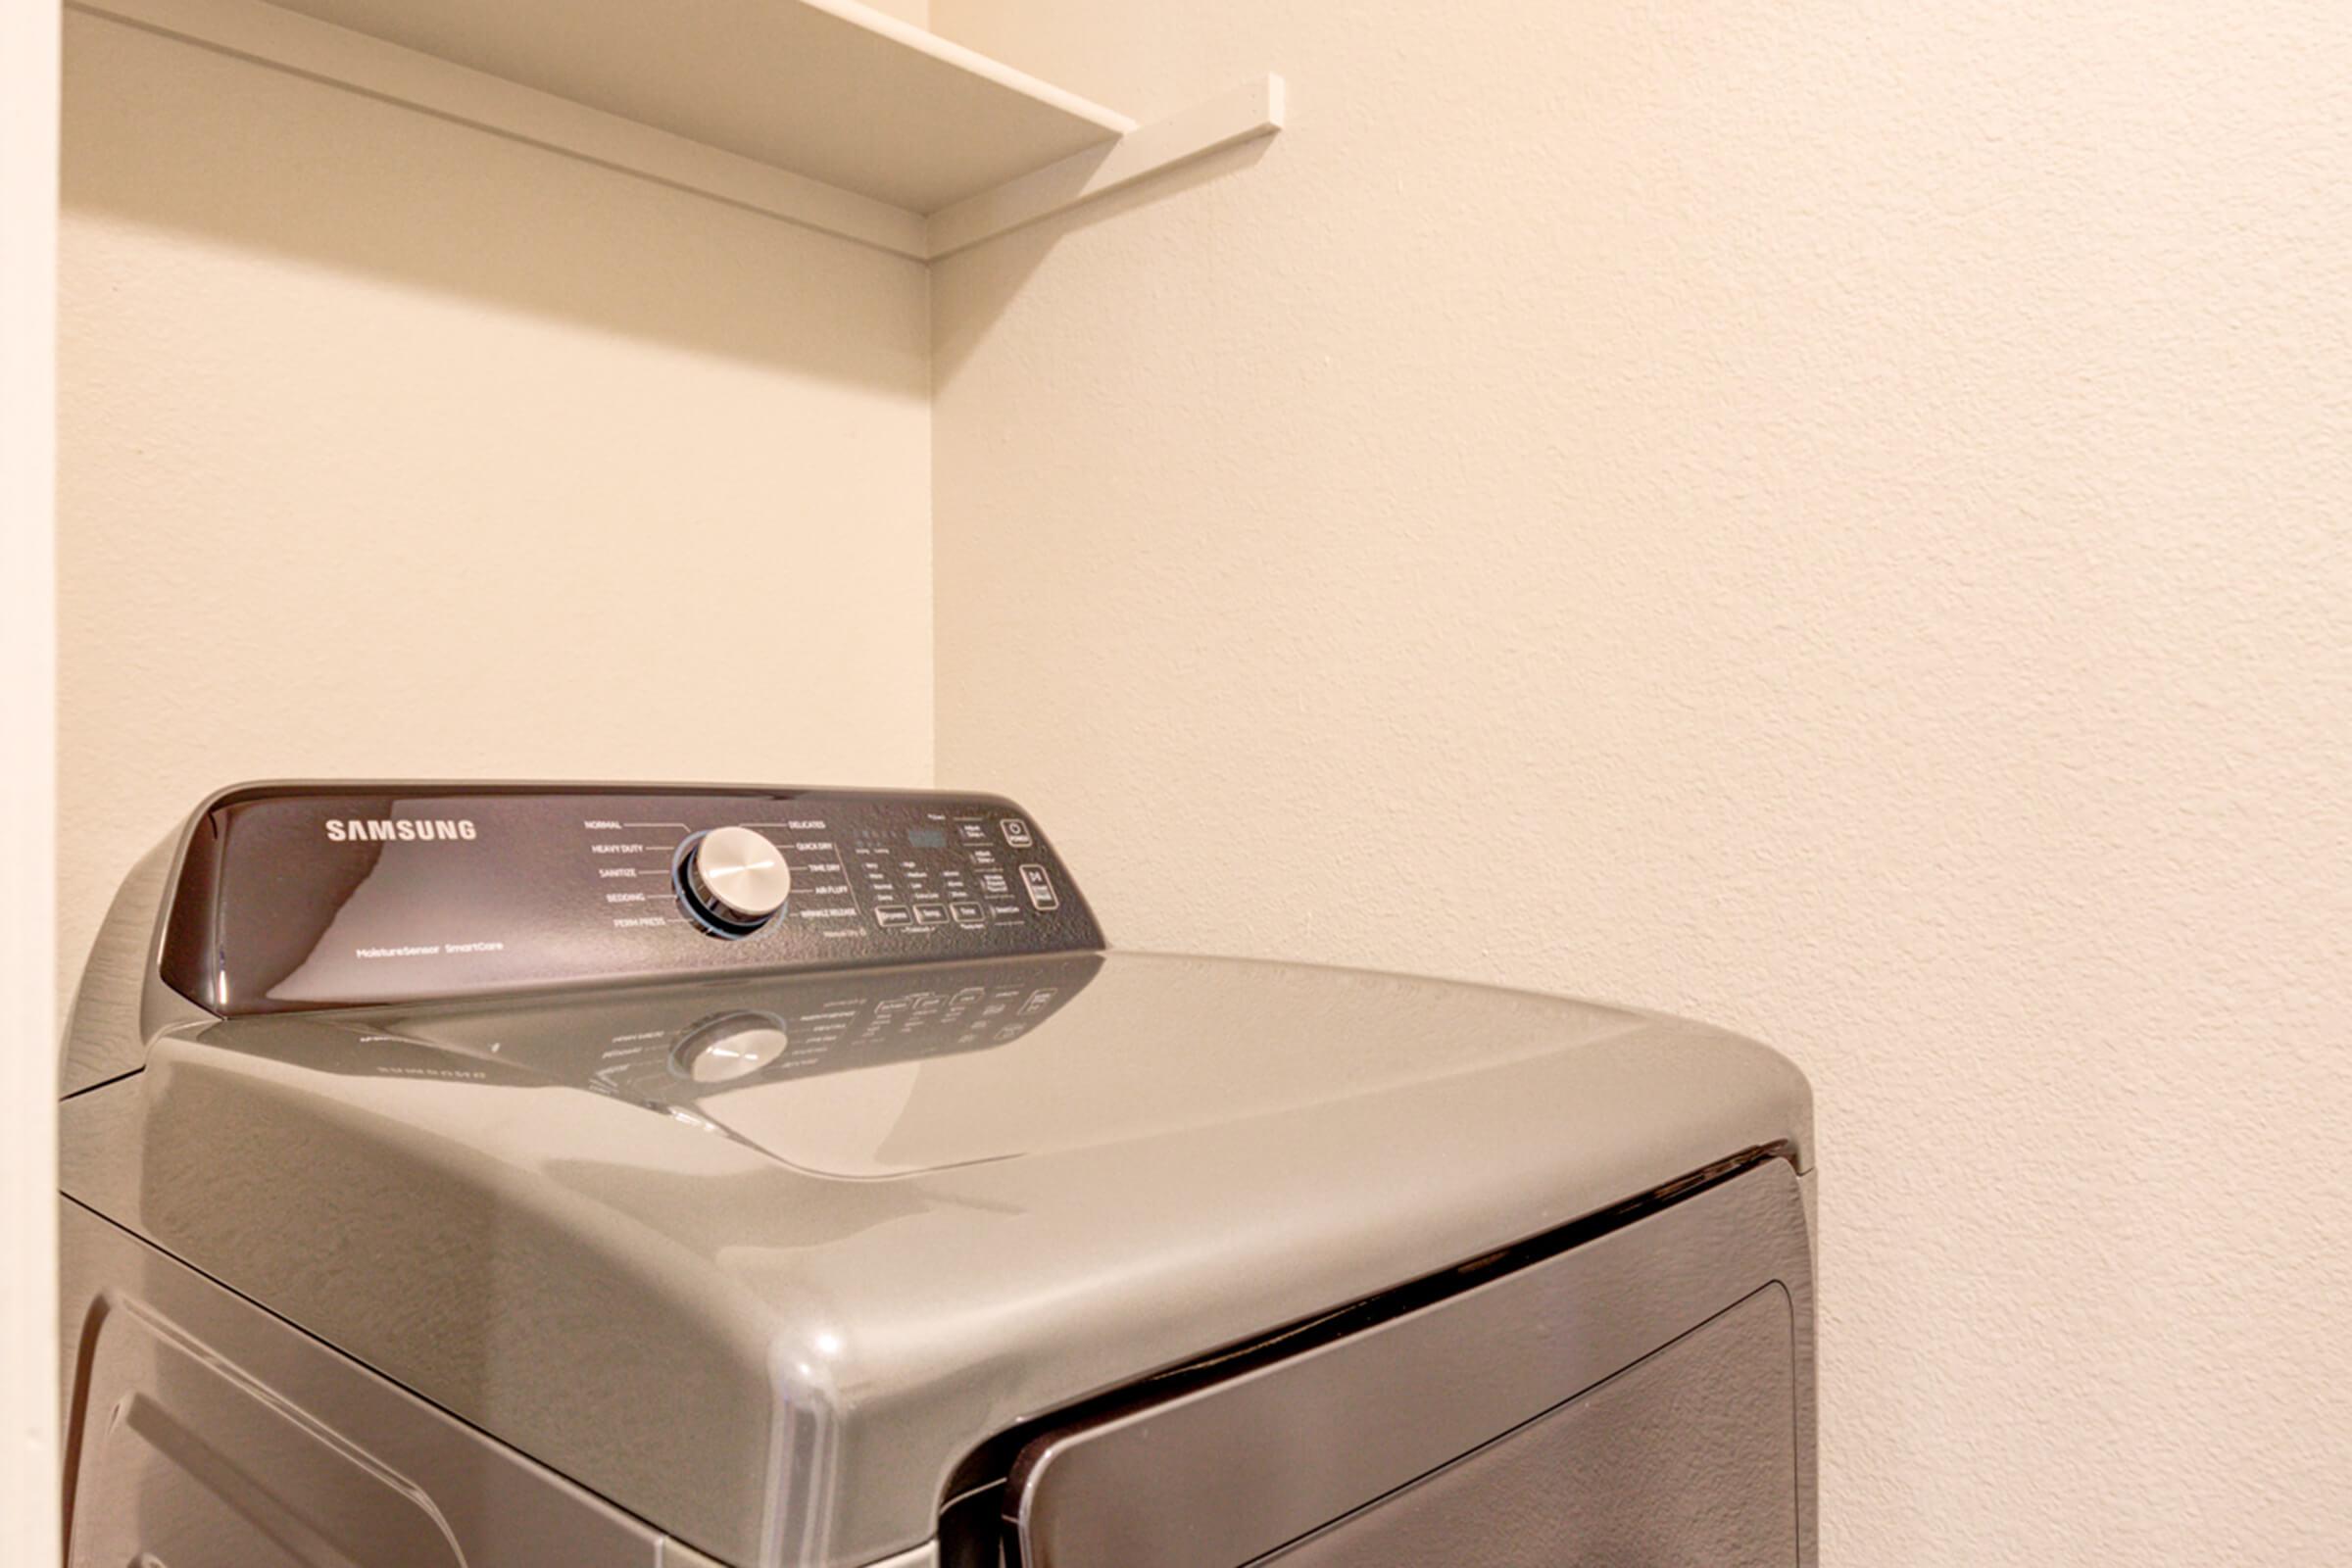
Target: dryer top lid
(759, 1259)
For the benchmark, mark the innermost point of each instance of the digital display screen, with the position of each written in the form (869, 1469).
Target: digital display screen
(927, 837)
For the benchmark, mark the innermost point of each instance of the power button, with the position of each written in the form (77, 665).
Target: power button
(1016, 832)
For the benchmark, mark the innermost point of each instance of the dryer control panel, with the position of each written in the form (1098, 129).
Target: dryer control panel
(294, 897)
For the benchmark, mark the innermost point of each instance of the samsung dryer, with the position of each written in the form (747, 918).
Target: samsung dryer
(588, 1175)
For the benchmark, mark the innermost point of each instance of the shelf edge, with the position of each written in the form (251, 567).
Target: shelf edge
(284, 40)
(910, 36)
(1248, 112)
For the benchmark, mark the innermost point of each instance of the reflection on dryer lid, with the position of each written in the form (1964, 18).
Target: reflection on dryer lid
(678, 1045)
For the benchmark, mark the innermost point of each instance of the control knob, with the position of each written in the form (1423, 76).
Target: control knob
(731, 880)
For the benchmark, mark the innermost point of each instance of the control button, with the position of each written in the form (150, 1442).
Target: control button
(729, 1046)
(967, 913)
(973, 832)
(1016, 832)
(887, 915)
(731, 880)
(996, 882)
(1040, 887)
(1008, 914)
(984, 857)
(930, 915)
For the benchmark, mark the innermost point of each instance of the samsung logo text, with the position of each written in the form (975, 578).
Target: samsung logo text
(399, 830)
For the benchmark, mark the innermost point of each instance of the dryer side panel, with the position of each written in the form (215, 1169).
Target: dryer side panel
(202, 1430)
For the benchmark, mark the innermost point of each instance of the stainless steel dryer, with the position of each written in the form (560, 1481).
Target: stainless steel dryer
(658, 1176)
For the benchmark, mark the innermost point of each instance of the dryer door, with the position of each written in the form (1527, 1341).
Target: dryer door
(1644, 1396)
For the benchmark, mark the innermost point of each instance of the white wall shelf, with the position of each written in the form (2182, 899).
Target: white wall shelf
(825, 112)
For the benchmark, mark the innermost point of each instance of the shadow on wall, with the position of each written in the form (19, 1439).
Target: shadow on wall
(174, 134)
(990, 274)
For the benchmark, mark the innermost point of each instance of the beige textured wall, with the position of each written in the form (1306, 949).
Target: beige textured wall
(1832, 518)
(29, 156)
(391, 447)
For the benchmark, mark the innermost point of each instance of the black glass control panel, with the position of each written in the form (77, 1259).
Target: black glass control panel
(365, 894)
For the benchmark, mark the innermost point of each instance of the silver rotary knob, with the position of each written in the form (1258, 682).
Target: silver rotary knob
(732, 880)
